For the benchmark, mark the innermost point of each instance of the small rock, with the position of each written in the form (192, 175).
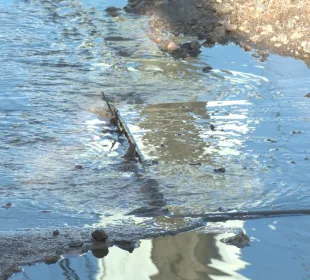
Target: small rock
(99, 235)
(209, 41)
(75, 244)
(240, 240)
(307, 95)
(51, 259)
(247, 48)
(268, 28)
(195, 45)
(7, 205)
(171, 47)
(296, 35)
(56, 232)
(230, 27)
(112, 9)
(220, 170)
(306, 46)
(207, 69)
(282, 38)
(223, 9)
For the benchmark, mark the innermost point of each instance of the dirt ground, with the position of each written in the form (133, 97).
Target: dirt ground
(279, 26)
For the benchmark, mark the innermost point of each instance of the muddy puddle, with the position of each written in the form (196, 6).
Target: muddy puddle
(278, 248)
(61, 164)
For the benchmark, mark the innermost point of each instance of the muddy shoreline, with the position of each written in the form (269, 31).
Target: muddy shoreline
(280, 27)
(28, 247)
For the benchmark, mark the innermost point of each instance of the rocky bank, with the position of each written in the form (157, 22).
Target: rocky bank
(279, 26)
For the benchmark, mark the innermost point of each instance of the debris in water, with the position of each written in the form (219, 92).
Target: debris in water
(272, 141)
(220, 170)
(195, 163)
(99, 235)
(240, 240)
(79, 166)
(7, 205)
(47, 211)
(56, 232)
(296, 132)
(207, 69)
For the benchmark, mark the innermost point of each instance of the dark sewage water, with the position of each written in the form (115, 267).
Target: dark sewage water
(57, 56)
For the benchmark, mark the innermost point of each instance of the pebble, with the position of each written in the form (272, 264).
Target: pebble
(306, 46)
(240, 240)
(51, 259)
(230, 27)
(207, 69)
(296, 35)
(171, 47)
(56, 232)
(247, 48)
(99, 235)
(282, 38)
(268, 28)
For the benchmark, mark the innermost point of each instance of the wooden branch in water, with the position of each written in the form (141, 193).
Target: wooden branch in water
(122, 128)
(244, 215)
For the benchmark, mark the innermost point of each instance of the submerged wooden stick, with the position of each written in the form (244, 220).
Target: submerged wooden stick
(122, 128)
